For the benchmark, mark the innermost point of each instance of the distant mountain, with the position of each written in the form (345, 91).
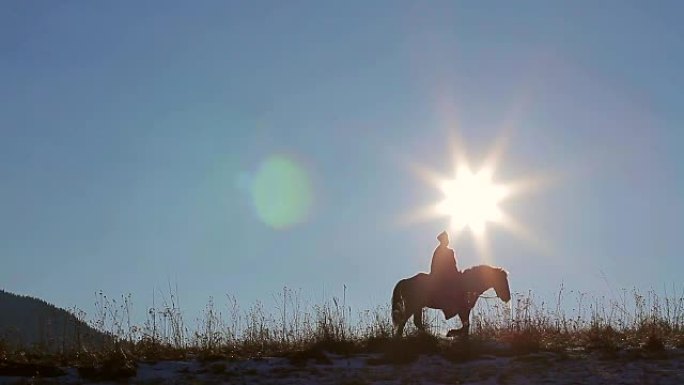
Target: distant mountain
(27, 321)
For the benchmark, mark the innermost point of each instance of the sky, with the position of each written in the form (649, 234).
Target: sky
(243, 147)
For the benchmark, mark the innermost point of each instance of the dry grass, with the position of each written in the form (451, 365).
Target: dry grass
(643, 325)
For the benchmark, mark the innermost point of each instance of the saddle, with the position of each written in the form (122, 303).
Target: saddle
(447, 294)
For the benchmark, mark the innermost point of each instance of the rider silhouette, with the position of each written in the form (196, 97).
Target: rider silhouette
(443, 259)
(444, 271)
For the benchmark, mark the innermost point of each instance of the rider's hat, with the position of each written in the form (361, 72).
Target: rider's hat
(443, 237)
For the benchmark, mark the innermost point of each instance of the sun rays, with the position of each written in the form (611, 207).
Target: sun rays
(473, 199)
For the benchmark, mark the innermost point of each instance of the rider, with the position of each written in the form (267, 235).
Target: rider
(444, 270)
(444, 258)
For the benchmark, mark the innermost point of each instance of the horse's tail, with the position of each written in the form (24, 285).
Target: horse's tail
(398, 303)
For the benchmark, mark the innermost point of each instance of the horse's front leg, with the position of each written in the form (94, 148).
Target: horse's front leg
(464, 315)
(400, 328)
(418, 320)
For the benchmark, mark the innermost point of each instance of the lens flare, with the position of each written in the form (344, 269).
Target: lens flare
(281, 192)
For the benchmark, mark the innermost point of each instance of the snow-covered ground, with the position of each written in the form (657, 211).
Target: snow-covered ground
(540, 368)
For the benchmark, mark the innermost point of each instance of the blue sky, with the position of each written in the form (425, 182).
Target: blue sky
(131, 136)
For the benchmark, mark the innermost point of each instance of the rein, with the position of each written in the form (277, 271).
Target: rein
(488, 296)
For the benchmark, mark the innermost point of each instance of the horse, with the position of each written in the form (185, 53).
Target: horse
(411, 295)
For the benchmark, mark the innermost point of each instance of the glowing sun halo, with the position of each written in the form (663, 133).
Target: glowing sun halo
(472, 199)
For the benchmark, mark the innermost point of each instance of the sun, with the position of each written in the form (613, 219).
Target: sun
(471, 200)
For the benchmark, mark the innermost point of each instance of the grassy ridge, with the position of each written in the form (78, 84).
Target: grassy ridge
(637, 324)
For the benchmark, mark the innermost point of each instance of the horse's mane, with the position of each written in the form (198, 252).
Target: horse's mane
(483, 273)
(484, 269)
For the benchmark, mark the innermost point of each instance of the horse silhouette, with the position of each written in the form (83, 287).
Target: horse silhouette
(411, 295)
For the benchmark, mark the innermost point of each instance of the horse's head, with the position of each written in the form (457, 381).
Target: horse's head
(501, 285)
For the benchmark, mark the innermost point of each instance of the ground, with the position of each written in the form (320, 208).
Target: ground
(360, 369)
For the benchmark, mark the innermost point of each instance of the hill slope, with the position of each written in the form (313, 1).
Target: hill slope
(27, 321)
